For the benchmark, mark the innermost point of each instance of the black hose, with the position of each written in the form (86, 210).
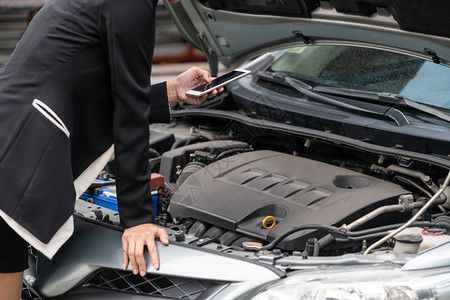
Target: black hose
(343, 232)
(188, 170)
(231, 152)
(193, 139)
(384, 228)
(412, 183)
(295, 229)
(152, 153)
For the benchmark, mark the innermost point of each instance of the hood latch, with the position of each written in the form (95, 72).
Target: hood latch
(433, 55)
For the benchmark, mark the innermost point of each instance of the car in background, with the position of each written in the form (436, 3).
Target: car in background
(322, 175)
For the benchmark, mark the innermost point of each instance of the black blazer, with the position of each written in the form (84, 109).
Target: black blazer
(78, 82)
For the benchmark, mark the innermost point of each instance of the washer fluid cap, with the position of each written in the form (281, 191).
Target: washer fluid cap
(433, 231)
(409, 239)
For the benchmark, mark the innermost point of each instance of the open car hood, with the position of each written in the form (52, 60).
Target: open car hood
(232, 31)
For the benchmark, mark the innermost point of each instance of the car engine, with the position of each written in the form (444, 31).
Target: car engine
(265, 190)
(239, 192)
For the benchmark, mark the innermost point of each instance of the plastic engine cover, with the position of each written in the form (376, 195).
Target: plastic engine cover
(238, 192)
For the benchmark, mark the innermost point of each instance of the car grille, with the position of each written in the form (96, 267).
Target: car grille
(165, 286)
(28, 294)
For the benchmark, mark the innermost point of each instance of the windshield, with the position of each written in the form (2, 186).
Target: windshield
(368, 69)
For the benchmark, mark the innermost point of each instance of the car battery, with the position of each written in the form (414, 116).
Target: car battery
(103, 192)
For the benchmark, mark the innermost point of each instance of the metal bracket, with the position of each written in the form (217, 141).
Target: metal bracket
(407, 201)
(269, 258)
(404, 162)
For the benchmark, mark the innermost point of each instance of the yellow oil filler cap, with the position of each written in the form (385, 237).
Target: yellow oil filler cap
(269, 222)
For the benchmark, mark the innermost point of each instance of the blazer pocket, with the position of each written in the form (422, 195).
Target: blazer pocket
(47, 112)
(38, 160)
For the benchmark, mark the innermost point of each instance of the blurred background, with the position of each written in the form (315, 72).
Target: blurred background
(172, 55)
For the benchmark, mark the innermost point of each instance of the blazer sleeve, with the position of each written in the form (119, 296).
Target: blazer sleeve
(127, 35)
(159, 108)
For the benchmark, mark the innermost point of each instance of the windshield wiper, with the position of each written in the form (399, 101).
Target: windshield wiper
(385, 98)
(350, 104)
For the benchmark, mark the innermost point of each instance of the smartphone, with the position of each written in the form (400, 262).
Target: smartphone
(218, 82)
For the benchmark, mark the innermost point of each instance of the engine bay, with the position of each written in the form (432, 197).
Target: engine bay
(245, 188)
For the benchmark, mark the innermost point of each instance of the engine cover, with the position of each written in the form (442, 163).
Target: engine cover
(238, 192)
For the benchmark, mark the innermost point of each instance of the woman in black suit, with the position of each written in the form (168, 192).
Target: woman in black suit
(76, 88)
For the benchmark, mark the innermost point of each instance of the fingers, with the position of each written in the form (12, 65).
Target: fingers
(206, 77)
(153, 252)
(125, 252)
(196, 100)
(133, 241)
(139, 256)
(201, 99)
(215, 92)
(199, 72)
(163, 236)
(132, 256)
(151, 245)
(200, 77)
(195, 77)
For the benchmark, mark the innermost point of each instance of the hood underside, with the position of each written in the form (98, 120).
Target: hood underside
(232, 31)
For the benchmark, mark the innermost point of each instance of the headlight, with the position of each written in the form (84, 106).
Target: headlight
(373, 283)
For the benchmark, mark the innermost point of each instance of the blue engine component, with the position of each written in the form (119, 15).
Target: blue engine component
(103, 193)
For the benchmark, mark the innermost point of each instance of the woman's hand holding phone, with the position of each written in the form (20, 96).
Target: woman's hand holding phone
(194, 77)
(218, 82)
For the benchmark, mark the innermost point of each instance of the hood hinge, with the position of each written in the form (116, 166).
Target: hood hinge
(306, 40)
(433, 55)
(210, 54)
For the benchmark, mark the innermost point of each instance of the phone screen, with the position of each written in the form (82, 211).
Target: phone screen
(219, 80)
